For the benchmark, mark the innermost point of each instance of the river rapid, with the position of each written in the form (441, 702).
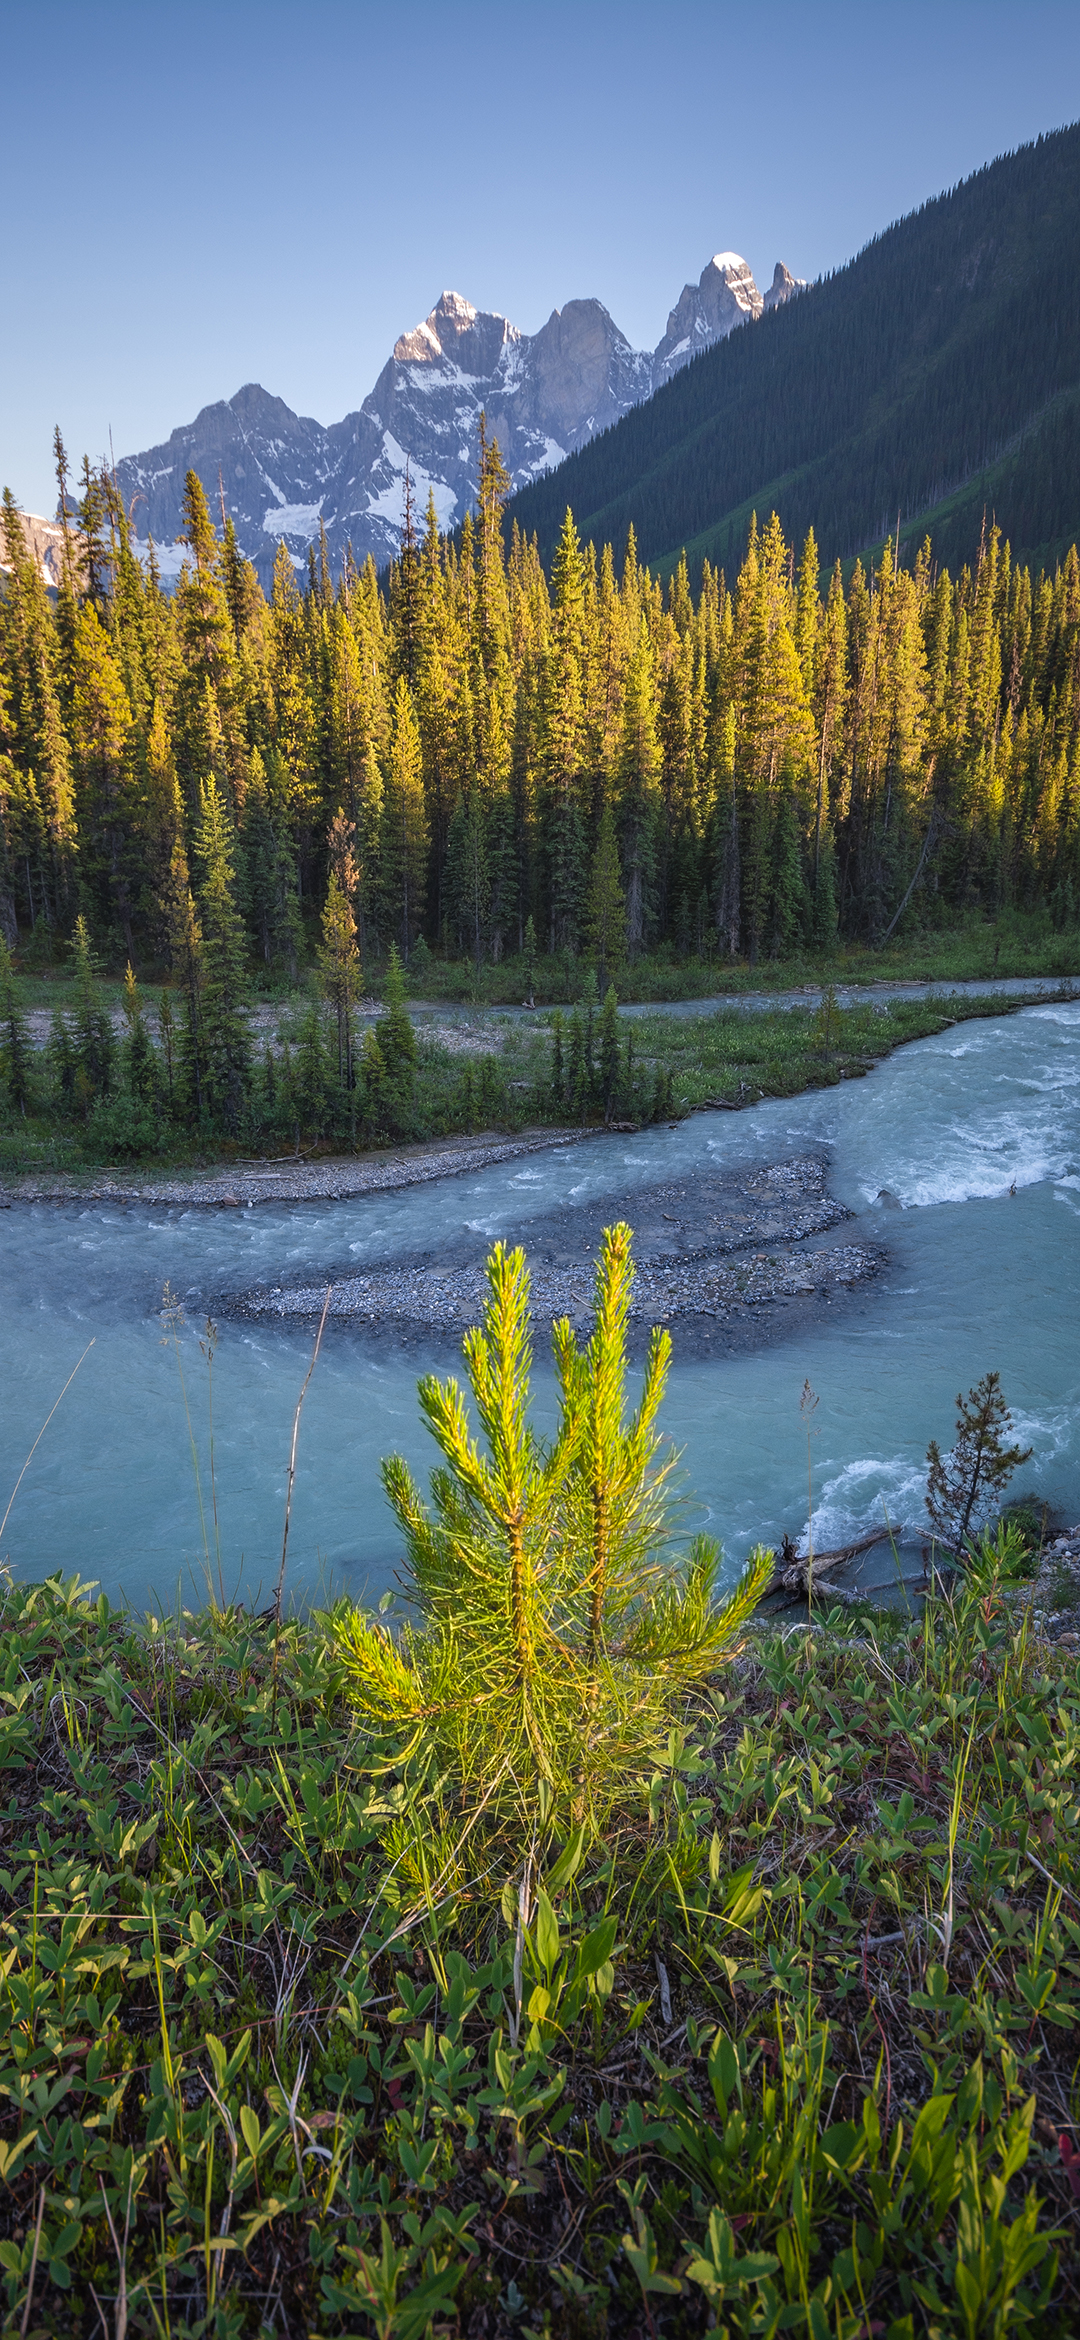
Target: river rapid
(961, 1154)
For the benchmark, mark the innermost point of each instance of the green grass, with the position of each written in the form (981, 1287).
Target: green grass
(735, 1057)
(970, 949)
(793, 2049)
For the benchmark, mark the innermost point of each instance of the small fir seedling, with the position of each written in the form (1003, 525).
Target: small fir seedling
(825, 1029)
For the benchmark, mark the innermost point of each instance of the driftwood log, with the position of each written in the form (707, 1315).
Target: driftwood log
(793, 1572)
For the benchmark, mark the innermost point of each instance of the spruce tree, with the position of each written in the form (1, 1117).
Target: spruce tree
(93, 1046)
(15, 1055)
(140, 1064)
(224, 1045)
(790, 908)
(609, 1066)
(376, 1084)
(468, 874)
(204, 632)
(342, 973)
(558, 1067)
(638, 773)
(605, 923)
(564, 741)
(159, 822)
(167, 1038)
(529, 960)
(404, 836)
(91, 511)
(310, 1069)
(962, 1484)
(187, 962)
(577, 1078)
(106, 798)
(396, 1037)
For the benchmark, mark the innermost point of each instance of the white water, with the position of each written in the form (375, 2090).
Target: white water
(979, 1276)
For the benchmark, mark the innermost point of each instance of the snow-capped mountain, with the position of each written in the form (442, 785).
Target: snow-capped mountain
(280, 474)
(724, 296)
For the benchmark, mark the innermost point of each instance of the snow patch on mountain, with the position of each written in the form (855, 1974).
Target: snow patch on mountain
(170, 559)
(293, 520)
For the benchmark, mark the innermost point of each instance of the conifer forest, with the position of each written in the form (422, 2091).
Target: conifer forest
(474, 760)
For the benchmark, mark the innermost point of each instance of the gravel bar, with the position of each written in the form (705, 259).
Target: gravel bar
(717, 1245)
(449, 1299)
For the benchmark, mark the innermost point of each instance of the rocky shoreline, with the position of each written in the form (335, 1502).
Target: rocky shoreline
(444, 1299)
(296, 1178)
(731, 1256)
(698, 1253)
(1053, 1596)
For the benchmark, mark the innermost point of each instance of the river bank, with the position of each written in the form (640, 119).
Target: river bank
(294, 1178)
(725, 1054)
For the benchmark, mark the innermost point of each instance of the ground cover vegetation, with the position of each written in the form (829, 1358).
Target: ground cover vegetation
(570, 1956)
(933, 379)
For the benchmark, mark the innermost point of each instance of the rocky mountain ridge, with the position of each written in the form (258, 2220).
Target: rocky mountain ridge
(281, 475)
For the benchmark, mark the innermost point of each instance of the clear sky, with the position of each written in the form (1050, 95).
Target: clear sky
(201, 193)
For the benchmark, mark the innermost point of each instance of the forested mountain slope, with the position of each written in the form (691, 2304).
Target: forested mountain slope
(935, 375)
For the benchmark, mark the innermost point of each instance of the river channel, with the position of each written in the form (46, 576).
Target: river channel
(960, 1154)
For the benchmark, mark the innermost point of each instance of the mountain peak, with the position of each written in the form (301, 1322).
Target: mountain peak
(782, 286)
(451, 317)
(544, 394)
(454, 310)
(724, 296)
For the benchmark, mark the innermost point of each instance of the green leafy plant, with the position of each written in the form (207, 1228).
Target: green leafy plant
(1000, 1555)
(714, 2062)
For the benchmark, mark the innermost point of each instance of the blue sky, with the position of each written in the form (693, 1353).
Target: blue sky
(200, 193)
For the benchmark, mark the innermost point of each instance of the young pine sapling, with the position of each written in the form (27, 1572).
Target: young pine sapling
(963, 1483)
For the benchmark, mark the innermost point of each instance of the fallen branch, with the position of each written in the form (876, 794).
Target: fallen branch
(793, 1574)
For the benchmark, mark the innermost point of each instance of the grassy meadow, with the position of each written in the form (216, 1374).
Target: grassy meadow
(790, 2045)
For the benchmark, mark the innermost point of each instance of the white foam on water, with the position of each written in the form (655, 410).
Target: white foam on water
(870, 1492)
(950, 1120)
